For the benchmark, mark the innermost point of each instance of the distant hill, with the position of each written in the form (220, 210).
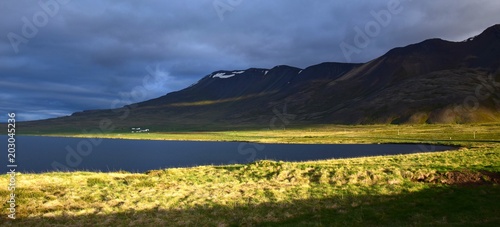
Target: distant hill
(435, 81)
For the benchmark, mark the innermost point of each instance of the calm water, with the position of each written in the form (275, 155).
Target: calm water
(41, 154)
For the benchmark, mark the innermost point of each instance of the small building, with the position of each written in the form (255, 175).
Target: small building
(138, 130)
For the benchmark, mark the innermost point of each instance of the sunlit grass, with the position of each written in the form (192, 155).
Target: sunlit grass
(388, 190)
(330, 134)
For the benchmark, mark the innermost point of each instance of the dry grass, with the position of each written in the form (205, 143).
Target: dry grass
(261, 192)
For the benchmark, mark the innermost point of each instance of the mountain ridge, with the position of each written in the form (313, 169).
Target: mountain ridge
(427, 82)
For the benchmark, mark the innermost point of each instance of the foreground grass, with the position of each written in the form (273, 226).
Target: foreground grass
(454, 187)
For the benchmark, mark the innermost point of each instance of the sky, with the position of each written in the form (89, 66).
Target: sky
(63, 56)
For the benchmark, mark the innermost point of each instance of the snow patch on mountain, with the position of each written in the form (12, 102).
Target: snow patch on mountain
(223, 75)
(470, 39)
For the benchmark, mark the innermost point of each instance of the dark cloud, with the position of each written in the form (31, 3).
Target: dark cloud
(87, 54)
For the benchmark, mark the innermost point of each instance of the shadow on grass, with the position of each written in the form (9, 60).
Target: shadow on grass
(436, 205)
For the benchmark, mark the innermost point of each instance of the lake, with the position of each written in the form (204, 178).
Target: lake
(42, 154)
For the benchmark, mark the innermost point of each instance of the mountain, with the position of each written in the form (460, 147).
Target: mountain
(434, 81)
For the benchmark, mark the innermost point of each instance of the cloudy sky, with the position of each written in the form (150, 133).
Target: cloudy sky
(63, 56)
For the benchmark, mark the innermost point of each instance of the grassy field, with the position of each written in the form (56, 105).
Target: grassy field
(328, 134)
(444, 188)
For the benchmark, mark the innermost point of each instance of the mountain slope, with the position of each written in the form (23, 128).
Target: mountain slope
(434, 81)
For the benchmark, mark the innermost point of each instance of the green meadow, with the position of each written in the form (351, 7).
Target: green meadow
(459, 187)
